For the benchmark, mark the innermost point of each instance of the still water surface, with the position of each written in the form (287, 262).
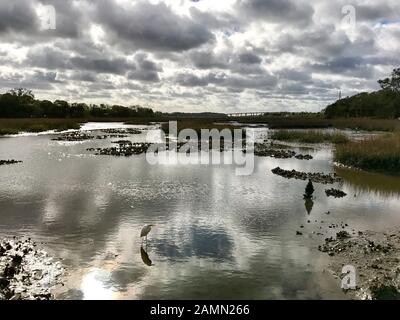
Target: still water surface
(217, 235)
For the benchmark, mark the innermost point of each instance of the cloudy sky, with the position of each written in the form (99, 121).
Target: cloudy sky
(199, 55)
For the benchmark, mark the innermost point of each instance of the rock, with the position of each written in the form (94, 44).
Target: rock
(335, 193)
(26, 273)
(16, 296)
(4, 283)
(37, 275)
(343, 235)
(8, 162)
(303, 157)
(17, 259)
(9, 271)
(298, 233)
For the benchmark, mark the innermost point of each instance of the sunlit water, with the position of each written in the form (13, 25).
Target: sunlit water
(217, 235)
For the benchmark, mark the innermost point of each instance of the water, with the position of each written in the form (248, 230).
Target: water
(217, 235)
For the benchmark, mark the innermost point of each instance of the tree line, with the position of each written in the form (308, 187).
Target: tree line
(384, 103)
(21, 103)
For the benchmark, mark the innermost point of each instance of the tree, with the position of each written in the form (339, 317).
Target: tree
(392, 83)
(309, 190)
(22, 93)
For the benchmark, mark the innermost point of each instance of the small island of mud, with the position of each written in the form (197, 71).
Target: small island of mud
(317, 177)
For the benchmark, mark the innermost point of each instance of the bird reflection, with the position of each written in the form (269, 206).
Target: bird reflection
(145, 257)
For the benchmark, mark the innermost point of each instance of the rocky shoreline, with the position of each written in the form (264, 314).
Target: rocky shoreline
(27, 272)
(375, 257)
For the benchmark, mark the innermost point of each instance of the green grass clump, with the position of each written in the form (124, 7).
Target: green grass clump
(309, 136)
(380, 154)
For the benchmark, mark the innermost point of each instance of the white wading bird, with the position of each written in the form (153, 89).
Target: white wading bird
(145, 231)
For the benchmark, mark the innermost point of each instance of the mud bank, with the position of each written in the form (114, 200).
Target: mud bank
(27, 272)
(265, 150)
(376, 258)
(317, 177)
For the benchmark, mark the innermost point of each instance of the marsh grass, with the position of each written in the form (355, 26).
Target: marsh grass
(380, 154)
(14, 126)
(310, 136)
(318, 122)
(367, 124)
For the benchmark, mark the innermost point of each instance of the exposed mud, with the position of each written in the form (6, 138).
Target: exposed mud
(335, 193)
(27, 272)
(268, 150)
(314, 177)
(376, 258)
(122, 131)
(74, 136)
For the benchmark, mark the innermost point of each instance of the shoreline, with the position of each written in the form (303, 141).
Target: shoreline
(26, 271)
(375, 256)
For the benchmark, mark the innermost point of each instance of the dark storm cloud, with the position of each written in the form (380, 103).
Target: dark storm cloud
(249, 58)
(278, 11)
(112, 66)
(241, 63)
(144, 69)
(239, 83)
(148, 26)
(51, 58)
(295, 75)
(293, 88)
(321, 41)
(17, 15)
(35, 80)
(209, 60)
(222, 20)
(83, 76)
(377, 11)
(350, 66)
(47, 57)
(192, 80)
